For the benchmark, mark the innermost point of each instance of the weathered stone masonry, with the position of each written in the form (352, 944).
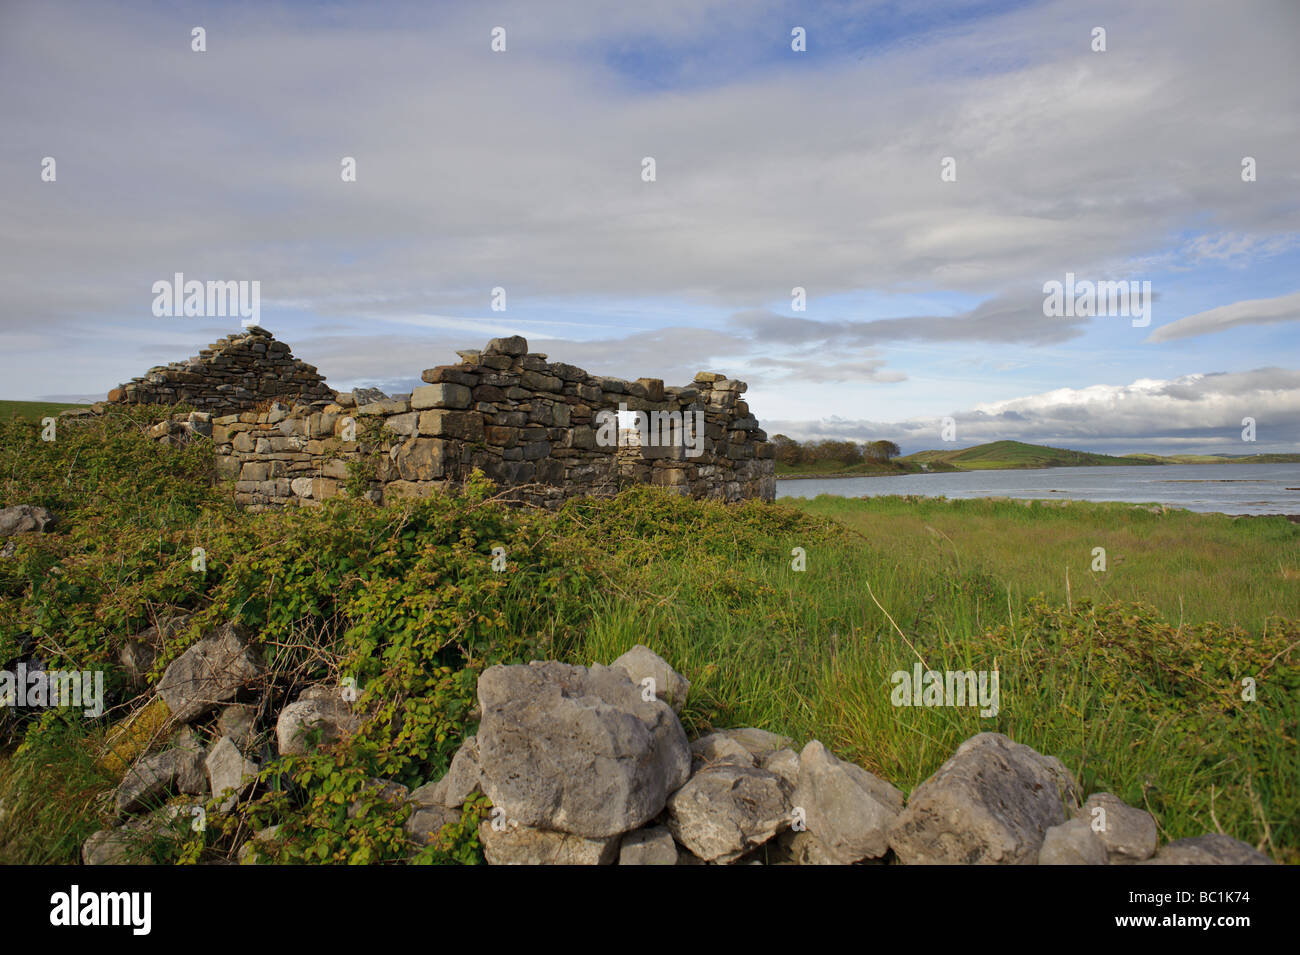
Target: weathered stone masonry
(528, 424)
(228, 376)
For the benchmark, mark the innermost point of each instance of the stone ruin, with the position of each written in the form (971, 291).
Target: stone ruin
(228, 376)
(532, 426)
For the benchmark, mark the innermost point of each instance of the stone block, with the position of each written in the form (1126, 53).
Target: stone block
(654, 388)
(403, 424)
(450, 374)
(464, 425)
(443, 395)
(502, 437)
(422, 459)
(515, 345)
(538, 381)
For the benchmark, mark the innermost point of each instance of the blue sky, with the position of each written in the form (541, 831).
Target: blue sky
(820, 169)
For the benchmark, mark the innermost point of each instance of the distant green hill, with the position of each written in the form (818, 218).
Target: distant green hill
(33, 411)
(1017, 454)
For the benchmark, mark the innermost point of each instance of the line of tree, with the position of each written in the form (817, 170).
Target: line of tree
(791, 452)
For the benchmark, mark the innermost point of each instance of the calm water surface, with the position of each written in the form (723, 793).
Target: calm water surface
(1225, 488)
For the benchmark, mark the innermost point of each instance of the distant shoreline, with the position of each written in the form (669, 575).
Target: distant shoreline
(814, 476)
(884, 474)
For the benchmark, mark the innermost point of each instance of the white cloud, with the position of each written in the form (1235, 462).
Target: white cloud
(1255, 311)
(523, 169)
(1194, 412)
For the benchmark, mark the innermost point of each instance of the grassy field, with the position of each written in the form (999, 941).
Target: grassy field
(1192, 568)
(1131, 677)
(32, 411)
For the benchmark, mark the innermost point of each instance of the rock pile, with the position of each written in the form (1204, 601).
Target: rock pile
(230, 375)
(577, 763)
(217, 762)
(22, 519)
(180, 429)
(591, 766)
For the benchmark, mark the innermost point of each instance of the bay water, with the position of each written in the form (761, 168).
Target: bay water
(1222, 488)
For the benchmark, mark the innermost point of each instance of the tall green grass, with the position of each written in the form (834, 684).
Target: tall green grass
(1193, 568)
(1132, 700)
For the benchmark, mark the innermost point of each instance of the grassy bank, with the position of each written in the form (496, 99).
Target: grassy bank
(838, 469)
(1134, 682)
(33, 411)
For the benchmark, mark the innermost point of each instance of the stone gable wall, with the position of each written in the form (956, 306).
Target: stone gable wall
(229, 376)
(529, 424)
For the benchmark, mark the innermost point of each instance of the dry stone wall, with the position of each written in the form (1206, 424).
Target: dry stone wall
(539, 428)
(582, 766)
(228, 376)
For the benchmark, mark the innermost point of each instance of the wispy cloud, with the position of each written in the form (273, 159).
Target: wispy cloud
(1257, 311)
(1003, 319)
